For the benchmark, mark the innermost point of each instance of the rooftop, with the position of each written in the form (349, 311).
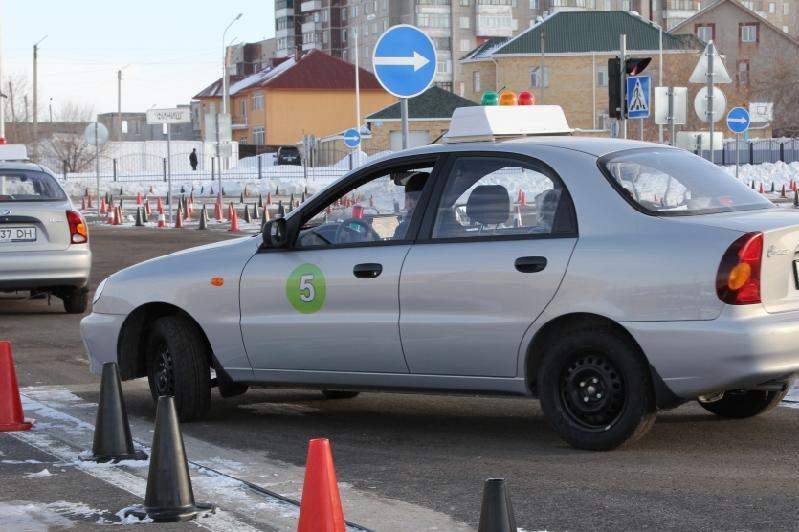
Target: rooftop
(433, 104)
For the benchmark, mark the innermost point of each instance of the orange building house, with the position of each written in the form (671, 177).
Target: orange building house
(314, 95)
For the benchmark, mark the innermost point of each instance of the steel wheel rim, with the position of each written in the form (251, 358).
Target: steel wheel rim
(592, 392)
(164, 371)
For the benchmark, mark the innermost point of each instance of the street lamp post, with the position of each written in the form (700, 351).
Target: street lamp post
(36, 97)
(225, 79)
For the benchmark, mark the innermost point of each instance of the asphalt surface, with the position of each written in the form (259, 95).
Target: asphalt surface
(693, 471)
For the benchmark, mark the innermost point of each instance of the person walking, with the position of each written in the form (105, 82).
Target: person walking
(193, 159)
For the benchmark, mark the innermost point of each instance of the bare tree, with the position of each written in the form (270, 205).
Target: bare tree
(16, 103)
(781, 86)
(68, 147)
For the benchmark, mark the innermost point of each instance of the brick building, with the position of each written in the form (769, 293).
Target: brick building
(563, 60)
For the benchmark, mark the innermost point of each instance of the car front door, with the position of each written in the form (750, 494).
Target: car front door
(329, 300)
(491, 253)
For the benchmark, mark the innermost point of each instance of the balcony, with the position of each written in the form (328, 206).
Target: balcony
(311, 46)
(312, 26)
(311, 5)
(284, 13)
(285, 32)
(494, 21)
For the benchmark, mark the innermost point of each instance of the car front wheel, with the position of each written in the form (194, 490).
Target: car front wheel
(178, 365)
(596, 390)
(741, 404)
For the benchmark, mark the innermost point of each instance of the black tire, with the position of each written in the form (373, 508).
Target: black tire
(596, 389)
(76, 301)
(741, 404)
(339, 394)
(178, 365)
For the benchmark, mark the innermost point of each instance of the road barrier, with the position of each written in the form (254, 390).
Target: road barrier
(112, 438)
(320, 506)
(169, 496)
(12, 418)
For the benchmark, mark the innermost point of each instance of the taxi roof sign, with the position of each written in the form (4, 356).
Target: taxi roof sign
(492, 123)
(13, 152)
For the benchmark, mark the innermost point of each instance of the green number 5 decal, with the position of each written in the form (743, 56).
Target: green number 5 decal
(305, 288)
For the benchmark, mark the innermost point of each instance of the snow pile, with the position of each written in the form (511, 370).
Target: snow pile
(778, 173)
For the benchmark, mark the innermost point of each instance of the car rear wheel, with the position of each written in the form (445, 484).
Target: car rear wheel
(178, 365)
(339, 394)
(76, 301)
(596, 390)
(741, 404)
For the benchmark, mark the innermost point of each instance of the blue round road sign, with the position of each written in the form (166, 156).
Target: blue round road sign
(738, 120)
(404, 61)
(352, 138)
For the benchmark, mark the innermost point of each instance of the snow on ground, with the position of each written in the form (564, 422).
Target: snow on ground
(778, 173)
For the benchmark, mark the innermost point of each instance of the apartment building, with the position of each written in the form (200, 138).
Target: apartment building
(247, 58)
(455, 26)
(783, 14)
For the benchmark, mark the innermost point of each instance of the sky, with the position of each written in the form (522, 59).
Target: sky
(169, 50)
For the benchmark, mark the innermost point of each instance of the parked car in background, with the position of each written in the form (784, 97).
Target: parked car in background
(289, 155)
(44, 243)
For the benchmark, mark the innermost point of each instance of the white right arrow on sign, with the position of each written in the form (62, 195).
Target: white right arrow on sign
(417, 61)
(720, 74)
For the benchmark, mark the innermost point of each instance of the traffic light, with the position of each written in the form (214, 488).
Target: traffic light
(633, 66)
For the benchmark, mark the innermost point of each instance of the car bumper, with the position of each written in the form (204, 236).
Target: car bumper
(744, 348)
(100, 334)
(45, 269)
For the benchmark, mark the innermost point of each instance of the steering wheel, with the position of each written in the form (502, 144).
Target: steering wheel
(355, 230)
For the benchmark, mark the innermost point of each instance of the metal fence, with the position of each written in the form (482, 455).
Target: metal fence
(755, 151)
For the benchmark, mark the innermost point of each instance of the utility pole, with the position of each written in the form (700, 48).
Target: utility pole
(51, 110)
(11, 102)
(357, 97)
(225, 73)
(119, 105)
(36, 98)
(543, 70)
(710, 117)
(623, 85)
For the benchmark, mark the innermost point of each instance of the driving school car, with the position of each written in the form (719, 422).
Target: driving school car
(44, 244)
(607, 278)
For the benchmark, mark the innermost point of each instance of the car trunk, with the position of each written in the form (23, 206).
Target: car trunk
(779, 276)
(34, 226)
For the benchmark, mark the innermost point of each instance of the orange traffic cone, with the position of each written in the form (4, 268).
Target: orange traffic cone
(179, 219)
(320, 507)
(11, 417)
(83, 203)
(117, 216)
(761, 188)
(161, 220)
(110, 216)
(234, 220)
(103, 208)
(159, 206)
(782, 192)
(138, 199)
(189, 208)
(266, 213)
(218, 211)
(147, 210)
(522, 198)
(88, 201)
(269, 198)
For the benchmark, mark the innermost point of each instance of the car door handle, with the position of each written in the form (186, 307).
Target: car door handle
(530, 264)
(367, 270)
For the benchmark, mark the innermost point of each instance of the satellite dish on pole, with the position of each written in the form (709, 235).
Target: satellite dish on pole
(720, 74)
(701, 105)
(95, 133)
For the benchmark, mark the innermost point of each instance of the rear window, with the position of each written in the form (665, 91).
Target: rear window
(25, 185)
(675, 182)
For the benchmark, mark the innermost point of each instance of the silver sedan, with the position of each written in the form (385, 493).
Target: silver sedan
(607, 278)
(44, 243)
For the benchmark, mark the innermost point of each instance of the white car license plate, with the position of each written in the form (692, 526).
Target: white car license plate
(17, 234)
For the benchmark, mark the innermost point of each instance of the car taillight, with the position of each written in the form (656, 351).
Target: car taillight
(738, 280)
(77, 228)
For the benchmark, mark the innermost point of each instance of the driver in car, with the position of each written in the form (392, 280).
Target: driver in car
(413, 191)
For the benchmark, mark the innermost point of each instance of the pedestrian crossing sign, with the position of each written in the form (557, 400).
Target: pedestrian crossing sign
(638, 96)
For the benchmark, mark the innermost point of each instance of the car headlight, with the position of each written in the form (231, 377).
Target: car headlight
(99, 291)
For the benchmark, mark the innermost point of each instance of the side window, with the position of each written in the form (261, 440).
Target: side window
(379, 210)
(492, 196)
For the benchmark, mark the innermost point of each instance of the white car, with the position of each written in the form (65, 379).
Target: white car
(44, 243)
(608, 278)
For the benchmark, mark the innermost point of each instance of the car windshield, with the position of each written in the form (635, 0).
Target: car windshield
(667, 181)
(25, 185)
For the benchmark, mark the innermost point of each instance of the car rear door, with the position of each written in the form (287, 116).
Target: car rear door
(32, 212)
(329, 302)
(492, 251)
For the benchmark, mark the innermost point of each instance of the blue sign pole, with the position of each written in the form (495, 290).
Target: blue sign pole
(404, 62)
(352, 138)
(738, 121)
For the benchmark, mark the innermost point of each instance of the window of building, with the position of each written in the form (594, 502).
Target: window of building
(258, 135)
(243, 109)
(465, 3)
(441, 43)
(785, 8)
(461, 89)
(466, 45)
(535, 5)
(749, 33)
(602, 76)
(124, 127)
(786, 29)
(354, 11)
(772, 7)
(464, 23)
(257, 102)
(443, 66)
(476, 82)
(705, 33)
(243, 140)
(537, 79)
(743, 72)
(433, 20)
(625, 5)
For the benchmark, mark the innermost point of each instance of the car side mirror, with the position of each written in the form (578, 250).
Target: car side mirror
(274, 234)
